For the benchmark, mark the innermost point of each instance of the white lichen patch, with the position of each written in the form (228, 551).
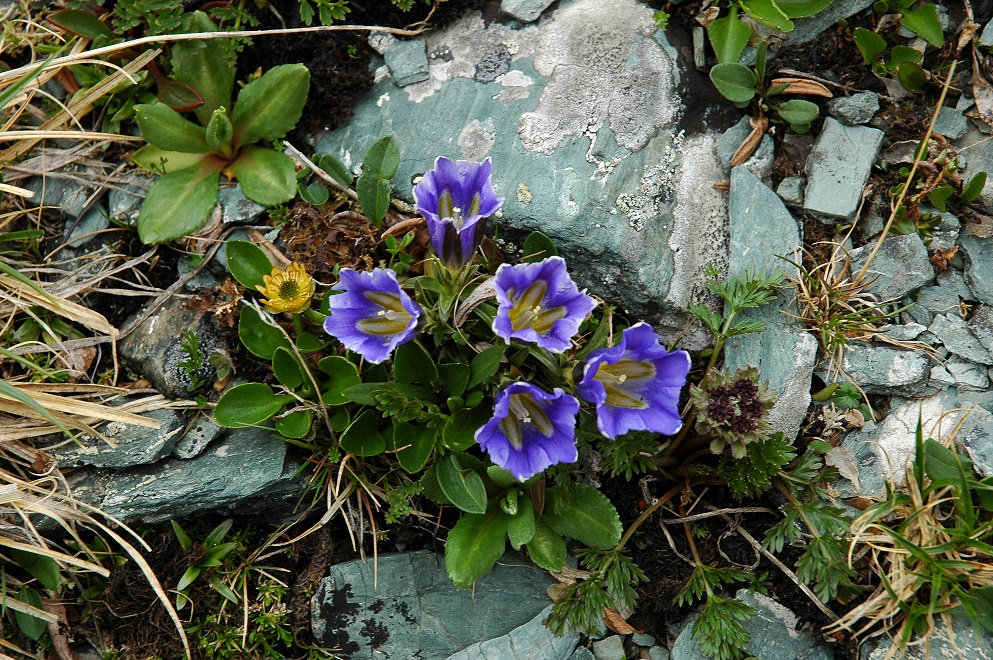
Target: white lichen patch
(516, 87)
(477, 138)
(523, 194)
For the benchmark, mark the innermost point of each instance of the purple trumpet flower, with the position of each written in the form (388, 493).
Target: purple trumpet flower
(636, 384)
(539, 304)
(456, 198)
(373, 315)
(530, 430)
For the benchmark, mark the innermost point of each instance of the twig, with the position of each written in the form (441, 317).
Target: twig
(321, 174)
(713, 513)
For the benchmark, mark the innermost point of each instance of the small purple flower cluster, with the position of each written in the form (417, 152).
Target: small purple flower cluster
(634, 385)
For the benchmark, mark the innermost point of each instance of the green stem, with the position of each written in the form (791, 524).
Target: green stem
(298, 324)
(314, 316)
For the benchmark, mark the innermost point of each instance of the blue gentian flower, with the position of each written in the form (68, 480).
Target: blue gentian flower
(530, 430)
(636, 384)
(373, 315)
(539, 304)
(456, 198)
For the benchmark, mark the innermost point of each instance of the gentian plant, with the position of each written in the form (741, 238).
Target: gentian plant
(489, 390)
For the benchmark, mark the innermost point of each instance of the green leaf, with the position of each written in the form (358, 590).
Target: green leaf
(287, 369)
(901, 54)
(802, 8)
(729, 36)
(189, 576)
(413, 444)
(343, 374)
(547, 547)
(735, 82)
(474, 545)
(942, 463)
(521, 528)
(269, 107)
(537, 247)
(158, 160)
(413, 364)
(179, 203)
(249, 404)
(296, 424)
(218, 533)
(308, 343)
(974, 187)
(912, 76)
(485, 364)
(924, 23)
(185, 542)
(870, 44)
(454, 376)
(363, 394)
(168, 130)
(583, 513)
(259, 337)
(247, 263)
(40, 567)
(266, 176)
(378, 168)
(798, 113)
(219, 132)
(362, 437)
(177, 95)
(768, 13)
(203, 65)
(30, 625)
(459, 432)
(939, 196)
(313, 193)
(463, 486)
(336, 169)
(82, 23)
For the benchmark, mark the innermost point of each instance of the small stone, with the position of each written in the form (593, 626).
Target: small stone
(380, 41)
(979, 271)
(951, 123)
(67, 195)
(408, 62)
(838, 168)
(855, 109)
(525, 10)
(84, 229)
(947, 233)
(759, 163)
(976, 437)
(884, 370)
(236, 208)
(197, 437)
(641, 639)
(962, 374)
(955, 334)
(791, 190)
(658, 653)
(938, 299)
(901, 266)
(981, 324)
(581, 653)
(986, 36)
(965, 640)
(609, 648)
(125, 199)
(908, 332)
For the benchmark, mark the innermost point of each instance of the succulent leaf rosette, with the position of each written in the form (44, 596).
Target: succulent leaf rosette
(456, 198)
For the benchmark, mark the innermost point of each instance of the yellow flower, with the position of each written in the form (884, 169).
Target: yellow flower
(287, 291)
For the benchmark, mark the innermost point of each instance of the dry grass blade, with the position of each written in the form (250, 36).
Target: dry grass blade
(801, 86)
(20, 295)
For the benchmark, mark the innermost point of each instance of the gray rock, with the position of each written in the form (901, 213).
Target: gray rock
(581, 129)
(525, 10)
(838, 168)
(790, 190)
(532, 641)
(641, 639)
(960, 640)
(976, 437)
(947, 233)
(249, 466)
(658, 653)
(955, 334)
(761, 230)
(855, 109)
(415, 612)
(960, 373)
(135, 445)
(773, 633)
(236, 208)
(62, 190)
(951, 123)
(808, 29)
(900, 267)
(915, 313)
(979, 272)
(153, 348)
(938, 300)
(978, 150)
(609, 648)
(125, 199)
(908, 332)
(884, 370)
(986, 36)
(81, 231)
(199, 434)
(981, 325)
(759, 163)
(408, 62)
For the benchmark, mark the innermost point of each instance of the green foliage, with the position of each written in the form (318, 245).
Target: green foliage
(191, 157)
(373, 186)
(610, 585)
(753, 474)
(204, 555)
(191, 366)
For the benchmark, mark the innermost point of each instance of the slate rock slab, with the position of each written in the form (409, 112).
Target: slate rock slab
(582, 130)
(979, 272)
(955, 333)
(901, 266)
(414, 611)
(883, 370)
(960, 640)
(773, 634)
(135, 445)
(838, 168)
(532, 641)
(250, 469)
